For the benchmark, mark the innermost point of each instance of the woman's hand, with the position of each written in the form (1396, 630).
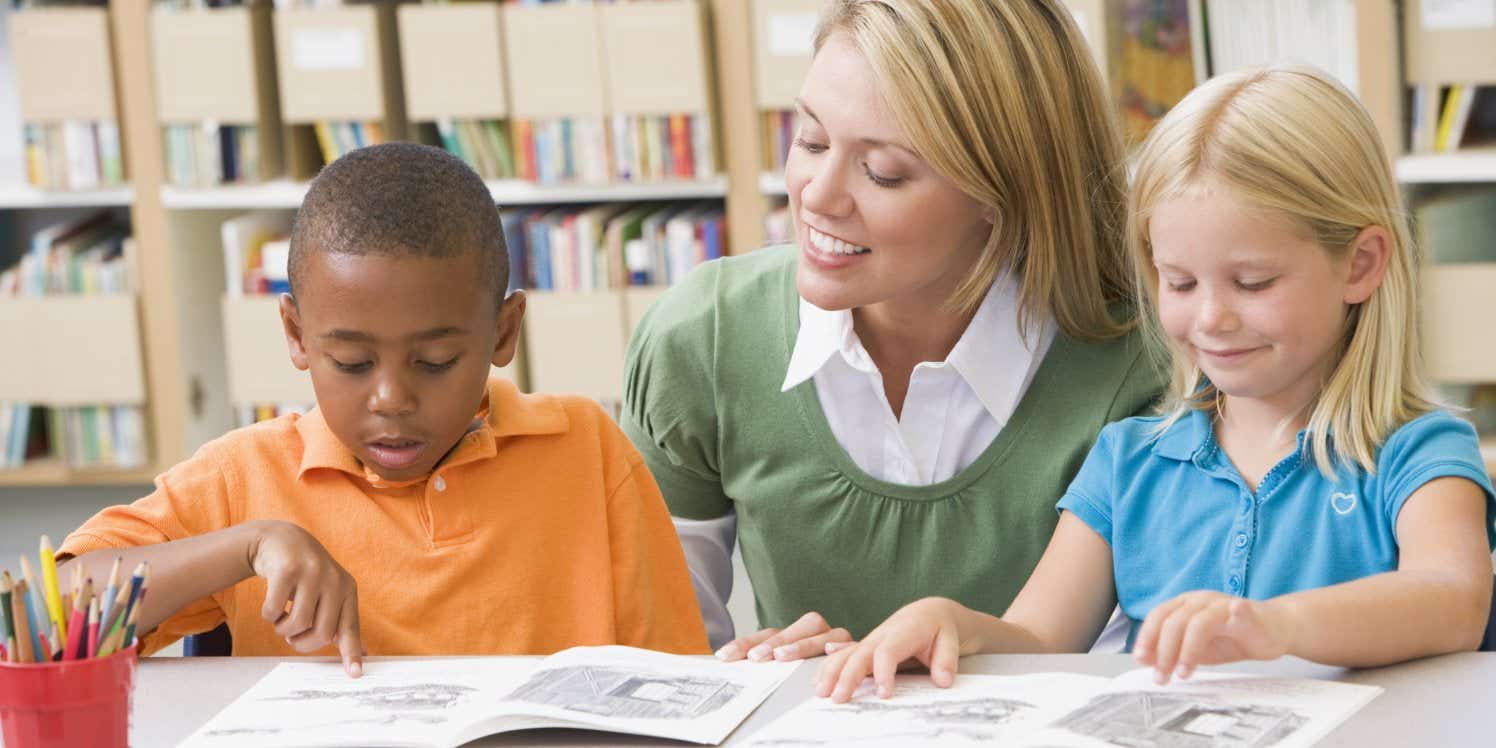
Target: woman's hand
(800, 640)
(927, 631)
(1209, 628)
(309, 597)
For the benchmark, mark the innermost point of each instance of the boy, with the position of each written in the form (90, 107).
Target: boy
(476, 519)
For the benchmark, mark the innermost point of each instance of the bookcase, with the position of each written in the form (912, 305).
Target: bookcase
(199, 354)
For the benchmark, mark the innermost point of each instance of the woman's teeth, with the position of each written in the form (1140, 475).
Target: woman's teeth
(832, 245)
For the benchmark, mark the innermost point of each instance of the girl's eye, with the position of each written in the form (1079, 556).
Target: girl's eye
(809, 146)
(1181, 286)
(443, 366)
(881, 181)
(356, 368)
(1255, 286)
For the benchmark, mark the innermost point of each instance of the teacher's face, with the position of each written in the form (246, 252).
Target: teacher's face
(875, 223)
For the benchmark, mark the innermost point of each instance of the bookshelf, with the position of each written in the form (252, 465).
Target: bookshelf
(288, 194)
(21, 196)
(1447, 168)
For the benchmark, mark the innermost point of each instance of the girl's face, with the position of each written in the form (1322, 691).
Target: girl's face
(874, 222)
(1255, 303)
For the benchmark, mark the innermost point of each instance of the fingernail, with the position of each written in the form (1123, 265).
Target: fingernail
(355, 669)
(784, 653)
(1182, 672)
(1160, 677)
(759, 653)
(728, 651)
(884, 692)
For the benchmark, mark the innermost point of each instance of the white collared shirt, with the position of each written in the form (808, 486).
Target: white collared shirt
(953, 408)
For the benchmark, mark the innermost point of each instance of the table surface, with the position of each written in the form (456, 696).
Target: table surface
(1441, 701)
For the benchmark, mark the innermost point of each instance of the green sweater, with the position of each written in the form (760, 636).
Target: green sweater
(703, 404)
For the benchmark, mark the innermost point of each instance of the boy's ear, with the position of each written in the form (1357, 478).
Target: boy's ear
(511, 320)
(291, 322)
(1369, 254)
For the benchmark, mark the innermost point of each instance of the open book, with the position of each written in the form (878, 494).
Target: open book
(448, 702)
(1055, 710)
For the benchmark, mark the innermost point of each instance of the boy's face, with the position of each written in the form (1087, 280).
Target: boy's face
(399, 350)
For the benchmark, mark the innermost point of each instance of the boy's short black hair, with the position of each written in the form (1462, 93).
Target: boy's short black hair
(400, 199)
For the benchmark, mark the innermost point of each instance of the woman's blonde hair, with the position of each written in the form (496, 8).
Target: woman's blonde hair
(1003, 98)
(1291, 141)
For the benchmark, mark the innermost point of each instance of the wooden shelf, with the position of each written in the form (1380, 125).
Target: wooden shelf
(771, 183)
(54, 472)
(26, 196)
(1448, 168)
(288, 194)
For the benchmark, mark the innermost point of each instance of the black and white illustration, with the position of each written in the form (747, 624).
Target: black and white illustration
(627, 693)
(1156, 719)
(416, 696)
(943, 722)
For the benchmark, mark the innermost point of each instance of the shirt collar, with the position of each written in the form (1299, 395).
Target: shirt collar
(504, 412)
(1190, 437)
(990, 355)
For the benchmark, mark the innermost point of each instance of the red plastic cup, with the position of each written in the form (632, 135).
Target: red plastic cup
(71, 703)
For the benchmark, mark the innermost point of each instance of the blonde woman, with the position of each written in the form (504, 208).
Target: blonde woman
(886, 409)
(1301, 495)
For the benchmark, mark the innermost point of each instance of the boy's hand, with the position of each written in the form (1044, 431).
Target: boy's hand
(926, 631)
(1209, 628)
(322, 596)
(802, 639)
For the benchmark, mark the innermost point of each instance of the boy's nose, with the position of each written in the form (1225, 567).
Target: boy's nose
(391, 398)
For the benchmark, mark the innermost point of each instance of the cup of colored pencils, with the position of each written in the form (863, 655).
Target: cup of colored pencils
(68, 662)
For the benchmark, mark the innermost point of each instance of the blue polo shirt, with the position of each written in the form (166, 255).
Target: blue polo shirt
(1179, 517)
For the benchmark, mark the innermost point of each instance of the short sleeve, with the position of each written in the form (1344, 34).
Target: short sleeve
(669, 408)
(1091, 493)
(190, 499)
(655, 603)
(1436, 445)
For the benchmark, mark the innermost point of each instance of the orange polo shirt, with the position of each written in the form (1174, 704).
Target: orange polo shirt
(541, 530)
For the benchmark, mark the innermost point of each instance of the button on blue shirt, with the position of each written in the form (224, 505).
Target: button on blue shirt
(1179, 517)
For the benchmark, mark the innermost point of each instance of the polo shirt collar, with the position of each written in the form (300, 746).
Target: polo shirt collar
(1190, 437)
(504, 412)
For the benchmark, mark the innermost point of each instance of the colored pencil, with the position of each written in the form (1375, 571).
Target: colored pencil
(54, 645)
(137, 581)
(35, 606)
(10, 649)
(110, 591)
(93, 628)
(9, 620)
(50, 591)
(26, 608)
(23, 631)
(76, 629)
(129, 637)
(114, 621)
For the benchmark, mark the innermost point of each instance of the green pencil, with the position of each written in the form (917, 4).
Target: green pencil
(5, 589)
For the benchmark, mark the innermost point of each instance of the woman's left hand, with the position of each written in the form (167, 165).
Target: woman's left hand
(1210, 628)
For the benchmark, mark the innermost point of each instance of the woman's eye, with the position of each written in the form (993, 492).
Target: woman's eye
(809, 146)
(880, 180)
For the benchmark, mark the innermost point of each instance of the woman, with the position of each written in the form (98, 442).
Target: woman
(890, 408)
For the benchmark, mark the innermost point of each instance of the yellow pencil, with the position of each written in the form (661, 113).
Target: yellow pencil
(53, 594)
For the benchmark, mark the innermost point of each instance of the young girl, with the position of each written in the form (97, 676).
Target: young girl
(1302, 495)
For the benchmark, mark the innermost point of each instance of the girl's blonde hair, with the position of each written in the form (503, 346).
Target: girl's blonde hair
(1003, 98)
(1291, 141)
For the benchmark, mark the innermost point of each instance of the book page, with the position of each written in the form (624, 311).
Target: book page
(622, 689)
(395, 703)
(975, 709)
(1210, 710)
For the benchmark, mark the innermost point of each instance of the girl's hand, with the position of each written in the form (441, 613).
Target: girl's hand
(1209, 628)
(802, 639)
(926, 631)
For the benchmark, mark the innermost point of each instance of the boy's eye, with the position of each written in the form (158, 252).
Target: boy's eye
(438, 366)
(354, 368)
(1255, 285)
(881, 181)
(809, 146)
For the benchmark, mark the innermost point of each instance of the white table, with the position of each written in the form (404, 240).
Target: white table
(1442, 701)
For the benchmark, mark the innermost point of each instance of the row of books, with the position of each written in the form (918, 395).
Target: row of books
(1464, 117)
(611, 246)
(778, 129)
(335, 138)
(207, 154)
(90, 255)
(74, 155)
(652, 148)
(482, 143)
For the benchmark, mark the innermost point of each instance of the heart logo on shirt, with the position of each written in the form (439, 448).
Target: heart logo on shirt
(1343, 502)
